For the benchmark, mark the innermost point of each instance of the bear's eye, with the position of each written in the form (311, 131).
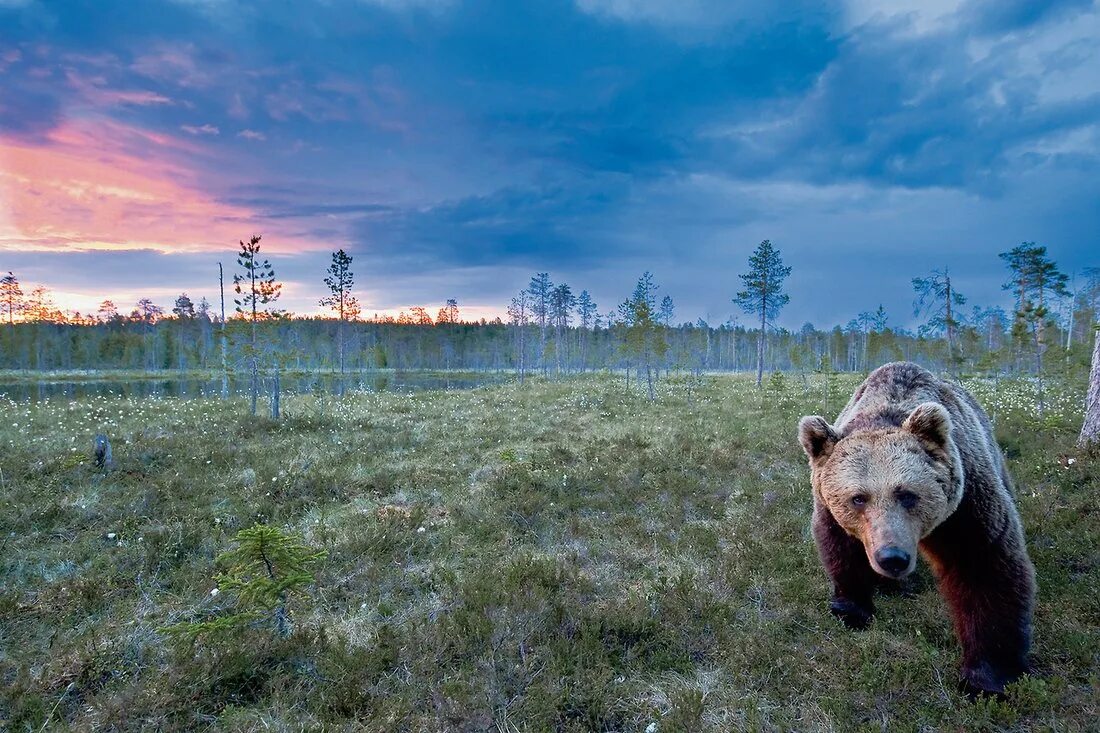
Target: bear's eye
(859, 500)
(907, 499)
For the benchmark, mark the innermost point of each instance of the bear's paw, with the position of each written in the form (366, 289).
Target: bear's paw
(853, 615)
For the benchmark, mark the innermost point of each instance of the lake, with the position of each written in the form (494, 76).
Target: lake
(26, 390)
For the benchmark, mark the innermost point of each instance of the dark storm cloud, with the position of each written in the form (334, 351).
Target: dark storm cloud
(509, 228)
(909, 111)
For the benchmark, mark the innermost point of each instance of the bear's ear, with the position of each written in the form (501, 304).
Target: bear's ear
(929, 421)
(817, 436)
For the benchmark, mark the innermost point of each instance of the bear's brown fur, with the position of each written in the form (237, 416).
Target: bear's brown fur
(912, 463)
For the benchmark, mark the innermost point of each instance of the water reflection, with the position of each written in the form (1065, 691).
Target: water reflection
(291, 384)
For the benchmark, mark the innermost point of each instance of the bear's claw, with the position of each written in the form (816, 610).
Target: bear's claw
(852, 614)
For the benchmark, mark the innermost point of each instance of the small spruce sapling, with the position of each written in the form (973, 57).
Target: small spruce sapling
(266, 569)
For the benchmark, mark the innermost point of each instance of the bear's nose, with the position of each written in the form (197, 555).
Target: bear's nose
(893, 560)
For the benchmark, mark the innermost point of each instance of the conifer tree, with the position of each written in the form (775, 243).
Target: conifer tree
(11, 298)
(448, 313)
(519, 315)
(539, 289)
(339, 281)
(588, 314)
(257, 290)
(562, 301)
(667, 311)
(763, 294)
(11, 301)
(1035, 280)
(266, 569)
(939, 300)
(108, 311)
(184, 311)
(642, 339)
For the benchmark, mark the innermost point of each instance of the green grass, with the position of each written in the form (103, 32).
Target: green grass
(552, 556)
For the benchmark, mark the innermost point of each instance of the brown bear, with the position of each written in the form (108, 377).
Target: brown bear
(911, 462)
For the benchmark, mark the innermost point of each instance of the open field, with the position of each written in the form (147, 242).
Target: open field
(549, 556)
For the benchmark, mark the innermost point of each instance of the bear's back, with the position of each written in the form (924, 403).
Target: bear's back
(888, 395)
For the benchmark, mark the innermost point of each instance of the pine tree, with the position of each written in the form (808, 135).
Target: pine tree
(339, 281)
(937, 299)
(108, 311)
(562, 302)
(539, 289)
(258, 290)
(11, 298)
(667, 311)
(148, 314)
(518, 314)
(448, 313)
(589, 315)
(1035, 280)
(184, 311)
(763, 294)
(641, 339)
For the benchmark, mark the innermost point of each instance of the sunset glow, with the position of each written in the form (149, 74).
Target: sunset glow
(104, 186)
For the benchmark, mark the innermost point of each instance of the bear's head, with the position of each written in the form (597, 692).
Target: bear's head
(887, 487)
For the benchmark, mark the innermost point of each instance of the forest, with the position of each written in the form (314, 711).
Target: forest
(551, 329)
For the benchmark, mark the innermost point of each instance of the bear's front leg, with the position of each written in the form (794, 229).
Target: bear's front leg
(846, 563)
(988, 581)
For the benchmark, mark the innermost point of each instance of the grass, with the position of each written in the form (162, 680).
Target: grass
(552, 556)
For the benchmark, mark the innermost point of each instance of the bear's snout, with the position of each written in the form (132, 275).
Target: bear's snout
(893, 561)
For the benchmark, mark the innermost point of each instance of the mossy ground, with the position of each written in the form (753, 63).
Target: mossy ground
(552, 556)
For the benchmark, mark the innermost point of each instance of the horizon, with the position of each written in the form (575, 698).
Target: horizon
(482, 313)
(454, 148)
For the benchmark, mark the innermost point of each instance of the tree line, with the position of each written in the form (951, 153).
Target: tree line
(552, 330)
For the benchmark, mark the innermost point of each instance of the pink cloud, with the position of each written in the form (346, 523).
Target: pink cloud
(206, 129)
(252, 135)
(173, 64)
(10, 57)
(95, 90)
(98, 184)
(237, 109)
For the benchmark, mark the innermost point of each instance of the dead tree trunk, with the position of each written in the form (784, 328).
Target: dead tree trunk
(1090, 430)
(276, 395)
(221, 334)
(760, 346)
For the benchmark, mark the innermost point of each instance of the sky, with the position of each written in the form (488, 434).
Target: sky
(456, 147)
